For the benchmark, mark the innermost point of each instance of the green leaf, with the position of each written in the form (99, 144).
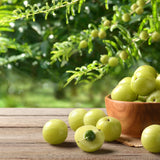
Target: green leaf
(6, 29)
(141, 26)
(112, 43)
(106, 4)
(110, 49)
(155, 13)
(80, 5)
(118, 41)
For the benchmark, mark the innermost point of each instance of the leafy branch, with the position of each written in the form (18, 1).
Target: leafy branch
(11, 13)
(31, 11)
(85, 74)
(119, 37)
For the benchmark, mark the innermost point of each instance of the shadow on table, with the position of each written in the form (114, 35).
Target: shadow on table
(73, 145)
(102, 151)
(66, 145)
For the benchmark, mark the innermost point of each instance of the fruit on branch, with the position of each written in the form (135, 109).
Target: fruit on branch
(139, 10)
(123, 55)
(113, 61)
(102, 34)
(155, 36)
(144, 35)
(83, 44)
(134, 6)
(94, 33)
(104, 59)
(107, 23)
(126, 17)
(140, 3)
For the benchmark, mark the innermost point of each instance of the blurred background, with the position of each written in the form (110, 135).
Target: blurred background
(27, 77)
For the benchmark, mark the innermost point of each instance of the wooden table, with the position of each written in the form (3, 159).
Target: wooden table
(21, 139)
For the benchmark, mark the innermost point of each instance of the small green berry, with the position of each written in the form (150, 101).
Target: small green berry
(123, 55)
(102, 34)
(83, 44)
(139, 10)
(140, 3)
(107, 23)
(113, 61)
(104, 59)
(126, 17)
(155, 36)
(134, 6)
(94, 33)
(144, 35)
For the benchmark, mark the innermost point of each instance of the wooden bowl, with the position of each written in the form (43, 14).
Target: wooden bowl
(134, 116)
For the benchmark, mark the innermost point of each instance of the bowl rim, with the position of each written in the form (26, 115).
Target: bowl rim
(117, 101)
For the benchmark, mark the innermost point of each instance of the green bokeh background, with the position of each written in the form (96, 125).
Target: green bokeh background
(34, 83)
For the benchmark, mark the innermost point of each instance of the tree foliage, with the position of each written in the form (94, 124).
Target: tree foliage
(47, 35)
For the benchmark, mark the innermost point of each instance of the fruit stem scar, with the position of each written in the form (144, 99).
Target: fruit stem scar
(89, 135)
(108, 120)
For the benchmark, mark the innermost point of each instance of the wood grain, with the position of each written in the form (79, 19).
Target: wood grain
(21, 139)
(35, 111)
(28, 121)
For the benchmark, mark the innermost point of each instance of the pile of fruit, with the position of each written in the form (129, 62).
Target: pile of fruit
(143, 86)
(92, 128)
